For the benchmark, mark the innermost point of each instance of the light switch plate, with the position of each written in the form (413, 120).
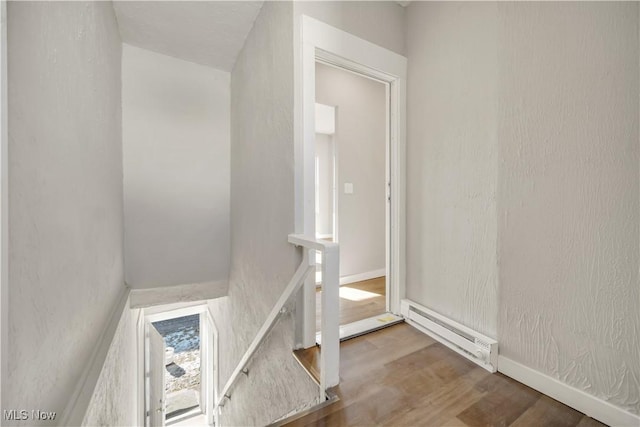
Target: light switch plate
(348, 188)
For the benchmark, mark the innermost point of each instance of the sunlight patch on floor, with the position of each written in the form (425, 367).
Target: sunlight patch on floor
(353, 294)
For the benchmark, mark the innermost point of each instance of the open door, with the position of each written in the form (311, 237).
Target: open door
(156, 378)
(353, 193)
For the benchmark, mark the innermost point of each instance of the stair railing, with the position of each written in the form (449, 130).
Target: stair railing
(330, 308)
(330, 333)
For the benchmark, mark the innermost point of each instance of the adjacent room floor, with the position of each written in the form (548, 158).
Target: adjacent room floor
(400, 377)
(358, 301)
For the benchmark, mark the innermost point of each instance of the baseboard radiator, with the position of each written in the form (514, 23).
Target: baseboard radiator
(474, 346)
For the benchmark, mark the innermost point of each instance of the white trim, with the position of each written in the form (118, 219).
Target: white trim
(588, 404)
(315, 40)
(387, 194)
(213, 377)
(205, 378)
(368, 275)
(174, 313)
(359, 51)
(363, 326)
(77, 406)
(171, 311)
(140, 339)
(330, 319)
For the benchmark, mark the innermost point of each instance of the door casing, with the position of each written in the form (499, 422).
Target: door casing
(317, 41)
(155, 376)
(208, 354)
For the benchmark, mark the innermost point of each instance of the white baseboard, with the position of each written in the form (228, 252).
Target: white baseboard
(345, 280)
(586, 403)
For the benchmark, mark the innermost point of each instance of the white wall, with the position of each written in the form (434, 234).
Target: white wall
(568, 204)
(360, 144)
(176, 170)
(452, 161)
(262, 208)
(325, 172)
(114, 401)
(523, 166)
(380, 22)
(65, 195)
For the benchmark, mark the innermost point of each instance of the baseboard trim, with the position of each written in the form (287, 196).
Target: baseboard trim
(588, 404)
(76, 408)
(353, 278)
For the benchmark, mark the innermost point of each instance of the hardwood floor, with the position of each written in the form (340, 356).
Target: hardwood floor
(358, 301)
(400, 377)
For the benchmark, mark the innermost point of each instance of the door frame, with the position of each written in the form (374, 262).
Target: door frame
(209, 378)
(151, 335)
(317, 41)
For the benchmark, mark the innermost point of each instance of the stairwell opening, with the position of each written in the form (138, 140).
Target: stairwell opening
(180, 366)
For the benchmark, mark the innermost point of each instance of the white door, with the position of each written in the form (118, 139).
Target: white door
(156, 378)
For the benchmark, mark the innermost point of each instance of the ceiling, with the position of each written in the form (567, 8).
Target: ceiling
(206, 32)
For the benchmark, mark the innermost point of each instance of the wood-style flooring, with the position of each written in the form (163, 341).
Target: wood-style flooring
(400, 377)
(352, 308)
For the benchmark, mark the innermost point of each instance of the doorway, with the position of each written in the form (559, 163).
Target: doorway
(182, 379)
(319, 42)
(180, 366)
(351, 163)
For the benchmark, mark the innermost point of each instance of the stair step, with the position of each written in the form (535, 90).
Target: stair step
(309, 359)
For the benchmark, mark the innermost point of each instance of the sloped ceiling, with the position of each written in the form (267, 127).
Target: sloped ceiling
(206, 32)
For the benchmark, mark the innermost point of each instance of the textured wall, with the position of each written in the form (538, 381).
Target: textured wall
(114, 402)
(175, 123)
(541, 99)
(380, 22)
(65, 194)
(452, 161)
(262, 209)
(568, 198)
(360, 145)
(205, 32)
